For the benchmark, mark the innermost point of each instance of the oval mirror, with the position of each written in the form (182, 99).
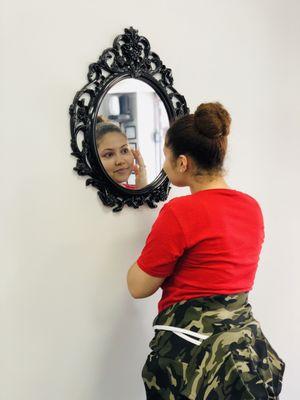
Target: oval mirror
(119, 120)
(129, 135)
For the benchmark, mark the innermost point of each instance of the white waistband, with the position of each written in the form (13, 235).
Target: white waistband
(183, 333)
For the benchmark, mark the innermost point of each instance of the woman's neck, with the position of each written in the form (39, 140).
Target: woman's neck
(205, 183)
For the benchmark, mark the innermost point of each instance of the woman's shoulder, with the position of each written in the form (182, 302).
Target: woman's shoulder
(251, 199)
(178, 201)
(181, 205)
(209, 196)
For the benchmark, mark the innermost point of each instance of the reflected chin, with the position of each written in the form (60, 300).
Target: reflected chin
(121, 176)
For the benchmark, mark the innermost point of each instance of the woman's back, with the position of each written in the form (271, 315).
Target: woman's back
(206, 243)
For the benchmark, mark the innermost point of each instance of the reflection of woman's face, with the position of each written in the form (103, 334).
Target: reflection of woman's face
(116, 156)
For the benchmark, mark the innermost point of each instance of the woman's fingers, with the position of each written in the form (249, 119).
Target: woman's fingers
(135, 169)
(138, 157)
(139, 169)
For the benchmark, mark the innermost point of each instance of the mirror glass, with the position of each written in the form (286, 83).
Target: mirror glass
(131, 125)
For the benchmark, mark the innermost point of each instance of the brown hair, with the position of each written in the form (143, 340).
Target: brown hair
(105, 126)
(202, 136)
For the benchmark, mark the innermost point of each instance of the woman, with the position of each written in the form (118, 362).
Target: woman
(203, 251)
(117, 157)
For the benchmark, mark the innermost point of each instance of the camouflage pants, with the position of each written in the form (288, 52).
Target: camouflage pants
(235, 362)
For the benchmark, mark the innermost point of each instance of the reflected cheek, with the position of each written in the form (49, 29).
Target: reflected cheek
(108, 165)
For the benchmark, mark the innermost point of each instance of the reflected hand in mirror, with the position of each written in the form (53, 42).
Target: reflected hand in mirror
(116, 156)
(139, 169)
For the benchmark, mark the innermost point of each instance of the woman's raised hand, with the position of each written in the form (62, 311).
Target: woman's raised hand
(139, 169)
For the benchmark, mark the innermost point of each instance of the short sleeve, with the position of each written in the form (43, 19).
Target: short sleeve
(164, 245)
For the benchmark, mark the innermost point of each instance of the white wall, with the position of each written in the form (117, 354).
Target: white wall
(69, 329)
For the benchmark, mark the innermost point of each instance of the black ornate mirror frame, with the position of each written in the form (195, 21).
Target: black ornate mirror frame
(130, 57)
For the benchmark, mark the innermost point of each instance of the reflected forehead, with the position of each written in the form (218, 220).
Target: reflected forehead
(112, 141)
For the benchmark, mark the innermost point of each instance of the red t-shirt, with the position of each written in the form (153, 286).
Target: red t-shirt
(128, 186)
(205, 243)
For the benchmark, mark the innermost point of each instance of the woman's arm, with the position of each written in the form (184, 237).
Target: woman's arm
(140, 284)
(164, 245)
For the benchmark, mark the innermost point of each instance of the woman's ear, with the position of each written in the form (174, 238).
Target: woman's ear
(182, 163)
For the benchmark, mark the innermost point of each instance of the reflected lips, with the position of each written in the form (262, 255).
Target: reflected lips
(121, 170)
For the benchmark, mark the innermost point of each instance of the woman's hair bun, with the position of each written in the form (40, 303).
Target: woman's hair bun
(212, 120)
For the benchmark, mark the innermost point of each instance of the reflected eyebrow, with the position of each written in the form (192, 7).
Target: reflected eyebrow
(114, 149)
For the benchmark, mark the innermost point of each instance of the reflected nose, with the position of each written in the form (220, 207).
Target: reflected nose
(119, 160)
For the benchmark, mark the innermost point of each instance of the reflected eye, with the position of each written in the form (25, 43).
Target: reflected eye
(107, 155)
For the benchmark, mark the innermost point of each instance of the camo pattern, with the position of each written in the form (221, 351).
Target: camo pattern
(235, 362)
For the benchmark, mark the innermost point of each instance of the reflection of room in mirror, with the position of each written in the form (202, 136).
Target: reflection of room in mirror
(135, 107)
